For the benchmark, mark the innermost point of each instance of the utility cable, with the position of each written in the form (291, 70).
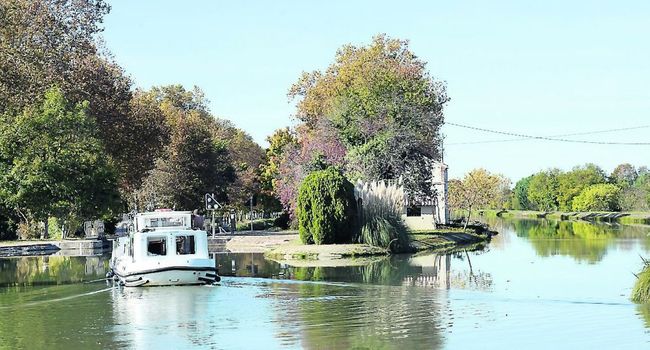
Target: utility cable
(553, 138)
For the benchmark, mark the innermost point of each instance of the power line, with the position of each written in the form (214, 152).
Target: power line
(554, 138)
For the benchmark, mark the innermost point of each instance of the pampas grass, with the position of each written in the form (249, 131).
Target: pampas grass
(641, 290)
(381, 215)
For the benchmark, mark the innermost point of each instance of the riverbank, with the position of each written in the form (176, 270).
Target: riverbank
(287, 246)
(68, 247)
(614, 217)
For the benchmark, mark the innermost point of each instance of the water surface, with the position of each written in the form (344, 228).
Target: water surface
(539, 284)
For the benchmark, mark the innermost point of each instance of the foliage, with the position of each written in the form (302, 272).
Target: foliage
(543, 190)
(44, 43)
(624, 175)
(520, 194)
(326, 208)
(382, 109)
(478, 189)
(246, 156)
(381, 207)
(193, 163)
(641, 290)
(572, 183)
(311, 151)
(600, 197)
(53, 164)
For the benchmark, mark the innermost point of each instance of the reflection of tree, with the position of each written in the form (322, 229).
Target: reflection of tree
(51, 270)
(581, 240)
(643, 310)
(53, 317)
(247, 265)
(363, 317)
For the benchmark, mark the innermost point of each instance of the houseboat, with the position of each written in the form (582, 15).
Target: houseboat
(161, 248)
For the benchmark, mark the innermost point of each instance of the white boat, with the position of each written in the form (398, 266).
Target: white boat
(162, 249)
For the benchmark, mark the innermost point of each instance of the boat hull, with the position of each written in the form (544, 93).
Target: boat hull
(185, 272)
(169, 276)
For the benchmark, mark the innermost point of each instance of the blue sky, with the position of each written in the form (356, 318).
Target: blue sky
(539, 68)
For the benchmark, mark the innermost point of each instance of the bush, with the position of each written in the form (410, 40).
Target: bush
(601, 197)
(381, 213)
(261, 224)
(326, 208)
(282, 221)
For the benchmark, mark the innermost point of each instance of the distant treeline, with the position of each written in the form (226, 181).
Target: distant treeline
(583, 188)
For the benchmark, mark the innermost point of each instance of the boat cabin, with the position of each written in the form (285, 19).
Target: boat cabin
(163, 234)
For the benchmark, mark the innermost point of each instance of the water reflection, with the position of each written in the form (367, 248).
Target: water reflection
(583, 241)
(51, 270)
(353, 317)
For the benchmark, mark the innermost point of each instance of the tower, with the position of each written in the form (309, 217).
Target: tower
(439, 183)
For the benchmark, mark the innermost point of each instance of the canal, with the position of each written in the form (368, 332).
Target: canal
(539, 284)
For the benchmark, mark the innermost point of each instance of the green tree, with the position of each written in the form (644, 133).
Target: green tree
(194, 163)
(326, 208)
(572, 183)
(246, 157)
(543, 190)
(520, 194)
(53, 164)
(600, 197)
(385, 107)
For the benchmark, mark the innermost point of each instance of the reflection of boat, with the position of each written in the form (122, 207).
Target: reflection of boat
(163, 249)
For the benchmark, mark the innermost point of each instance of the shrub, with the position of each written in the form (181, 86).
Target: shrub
(600, 197)
(381, 215)
(282, 221)
(258, 225)
(326, 208)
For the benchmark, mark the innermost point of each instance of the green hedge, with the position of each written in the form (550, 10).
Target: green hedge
(326, 208)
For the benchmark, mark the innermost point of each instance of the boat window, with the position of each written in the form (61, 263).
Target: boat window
(166, 222)
(185, 245)
(156, 246)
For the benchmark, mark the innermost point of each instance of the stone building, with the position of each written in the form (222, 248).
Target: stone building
(425, 214)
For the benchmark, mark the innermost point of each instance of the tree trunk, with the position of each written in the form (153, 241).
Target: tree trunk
(469, 214)
(46, 231)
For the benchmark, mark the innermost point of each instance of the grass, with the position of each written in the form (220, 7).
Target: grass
(641, 290)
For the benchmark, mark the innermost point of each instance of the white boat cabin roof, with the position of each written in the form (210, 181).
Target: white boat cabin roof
(163, 219)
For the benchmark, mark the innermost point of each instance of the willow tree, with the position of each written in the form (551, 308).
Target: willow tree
(385, 107)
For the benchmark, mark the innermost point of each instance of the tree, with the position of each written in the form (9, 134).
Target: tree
(600, 197)
(520, 194)
(572, 183)
(246, 157)
(53, 163)
(385, 108)
(624, 175)
(42, 43)
(193, 163)
(326, 208)
(476, 190)
(543, 190)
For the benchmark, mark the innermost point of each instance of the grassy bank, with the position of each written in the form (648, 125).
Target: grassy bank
(617, 217)
(443, 240)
